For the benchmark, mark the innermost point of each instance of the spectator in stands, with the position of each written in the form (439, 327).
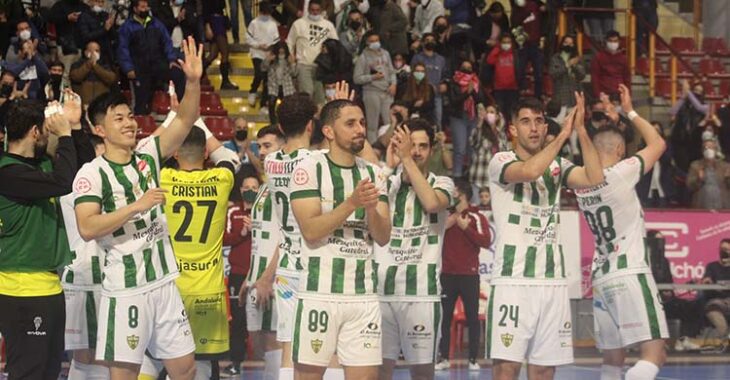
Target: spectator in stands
(389, 22)
(280, 69)
(528, 14)
(246, 8)
(179, 17)
(599, 24)
(351, 35)
(709, 179)
(10, 93)
(262, 33)
(241, 143)
(402, 73)
(374, 71)
(723, 134)
(96, 24)
(604, 113)
(419, 94)
(238, 236)
(646, 9)
(436, 71)
(467, 231)
(488, 138)
(506, 66)
(29, 67)
(486, 34)
(442, 160)
(464, 95)
(567, 70)
(609, 68)
(145, 55)
(460, 11)
(24, 31)
(65, 15)
(334, 63)
(305, 40)
(92, 75)
(718, 306)
(56, 84)
(216, 26)
(398, 115)
(426, 13)
(688, 113)
(656, 188)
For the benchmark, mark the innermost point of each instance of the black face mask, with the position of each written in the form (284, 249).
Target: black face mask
(568, 49)
(6, 90)
(241, 135)
(598, 116)
(56, 79)
(724, 255)
(430, 45)
(440, 28)
(143, 15)
(466, 71)
(355, 25)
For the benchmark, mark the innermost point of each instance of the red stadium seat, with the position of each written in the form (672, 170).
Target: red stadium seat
(221, 127)
(712, 67)
(725, 87)
(642, 67)
(210, 104)
(663, 88)
(161, 103)
(146, 125)
(715, 46)
(547, 85)
(683, 44)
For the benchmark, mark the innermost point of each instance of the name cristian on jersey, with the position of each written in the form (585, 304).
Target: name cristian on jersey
(195, 191)
(183, 266)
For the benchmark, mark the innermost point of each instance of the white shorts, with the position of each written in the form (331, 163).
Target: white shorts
(413, 328)
(627, 310)
(286, 288)
(155, 321)
(350, 329)
(258, 319)
(530, 322)
(82, 307)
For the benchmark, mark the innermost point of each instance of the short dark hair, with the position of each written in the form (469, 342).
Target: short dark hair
(95, 140)
(429, 34)
(195, 139)
(331, 111)
(56, 64)
(531, 103)
(295, 112)
(102, 103)
(552, 109)
(21, 118)
(369, 34)
(464, 187)
(421, 124)
(135, 3)
(506, 35)
(8, 72)
(270, 130)
(611, 34)
(317, 2)
(265, 7)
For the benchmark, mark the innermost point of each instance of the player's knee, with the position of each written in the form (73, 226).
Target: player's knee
(614, 357)
(84, 356)
(654, 352)
(505, 370)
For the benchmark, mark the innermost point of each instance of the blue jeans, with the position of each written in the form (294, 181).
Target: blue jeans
(460, 131)
(247, 17)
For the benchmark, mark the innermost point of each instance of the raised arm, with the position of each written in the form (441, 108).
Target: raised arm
(591, 173)
(190, 105)
(655, 144)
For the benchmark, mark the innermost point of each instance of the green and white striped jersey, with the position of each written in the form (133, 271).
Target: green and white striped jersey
(265, 235)
(84, 271)
(279, 167)
(527, 216)
(340, 266)
(409, 267)
(139, 255)
(614, 214)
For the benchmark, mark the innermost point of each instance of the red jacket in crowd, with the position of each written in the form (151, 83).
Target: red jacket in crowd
(505, 68)
(240, 255)
(461, 247)
(608, 71)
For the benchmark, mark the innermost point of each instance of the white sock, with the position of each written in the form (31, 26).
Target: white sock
(609, 372)
(334, 374)
(272, 363)
(203, 370)
(286, 373)
(83, 371)
(642, 370)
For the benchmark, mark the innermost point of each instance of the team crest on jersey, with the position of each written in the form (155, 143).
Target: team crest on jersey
(132, 341)
(316, 345)
(507, 339)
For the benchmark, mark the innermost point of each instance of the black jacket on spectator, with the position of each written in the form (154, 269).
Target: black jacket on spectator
(687, 135)
(482, 30)
(454, 101)
(334, 66)
(91, 28)
(666, 179)
(724, 134)
(66, 30)
(163, 11)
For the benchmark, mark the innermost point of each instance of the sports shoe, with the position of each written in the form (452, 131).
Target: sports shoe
(252, 99)
(473, 365)
(231, 371)
(442, 365)
(686, 344)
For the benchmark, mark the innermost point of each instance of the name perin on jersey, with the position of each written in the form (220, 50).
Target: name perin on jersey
(527, 216)
(613, 213)
(139, 255)
(409, 267)
(341, 265)
(279, 167)
(264, 233)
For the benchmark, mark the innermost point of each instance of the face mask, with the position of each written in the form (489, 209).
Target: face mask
(314, 18)
(374, 45)
(419, 76)
(430, 45)
(93, 55)
(265, 18)
(466, 71)
(56, 79)
(282, 56)
(612, 46)
(492, 118)
(568, 49)
(143, 15)
(440, 28)
(179, 2)
(6, 90)
(506, 47)
(249, 196)
(97, 9)
(708, 135)
(241, 135)
(330, 92)
(25, 35)
(355, 25)
(398, 64)
(724, 256)
(709, 154)
(598, 116)
(520, 3)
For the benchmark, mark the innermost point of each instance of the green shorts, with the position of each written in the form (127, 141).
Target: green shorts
(208, 315)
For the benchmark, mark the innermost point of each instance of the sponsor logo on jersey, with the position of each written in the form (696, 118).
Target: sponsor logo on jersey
(317, 345)
(37, 322)
(507, 339)
(82, 186)
(132, 341)
(197, 266)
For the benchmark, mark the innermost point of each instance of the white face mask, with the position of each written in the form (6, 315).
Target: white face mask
(491, 118)
(612, 46)
(520, 3)
(93, 55)
(506, 47)
(709, 154)
(314, 18)
(97, 9)
(330, 93)
(25, 35)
